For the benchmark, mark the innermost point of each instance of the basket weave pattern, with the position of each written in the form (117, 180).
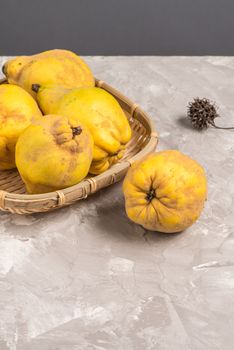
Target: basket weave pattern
(13, 197)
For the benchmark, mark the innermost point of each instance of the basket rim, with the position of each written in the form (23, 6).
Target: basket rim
(121, 166)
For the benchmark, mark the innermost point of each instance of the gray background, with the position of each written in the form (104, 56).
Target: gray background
(118, 27)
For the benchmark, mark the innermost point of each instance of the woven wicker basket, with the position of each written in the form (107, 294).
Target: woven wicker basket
(13, 197)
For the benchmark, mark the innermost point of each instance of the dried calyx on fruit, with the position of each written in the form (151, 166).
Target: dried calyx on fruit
(76, 131)
(202, 113)
(150, 195)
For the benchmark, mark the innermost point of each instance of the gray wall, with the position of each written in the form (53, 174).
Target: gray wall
(118, 27)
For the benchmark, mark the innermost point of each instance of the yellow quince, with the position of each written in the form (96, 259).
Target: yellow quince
(17, 111)
(61, 67)
(54, 153)
(99, 111)
(165, 191)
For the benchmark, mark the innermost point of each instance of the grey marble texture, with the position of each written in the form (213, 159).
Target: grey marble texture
(86, 278)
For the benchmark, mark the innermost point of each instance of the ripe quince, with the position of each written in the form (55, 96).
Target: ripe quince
(99, 111)
(61, 67)
(17, 111)
(54, 153)
(165, 191)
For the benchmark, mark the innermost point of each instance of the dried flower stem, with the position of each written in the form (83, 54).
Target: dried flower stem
(221, 127)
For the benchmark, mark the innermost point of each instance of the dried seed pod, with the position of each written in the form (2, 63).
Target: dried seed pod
(202, 113)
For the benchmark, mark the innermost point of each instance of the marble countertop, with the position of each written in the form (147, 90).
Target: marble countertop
(86, 278)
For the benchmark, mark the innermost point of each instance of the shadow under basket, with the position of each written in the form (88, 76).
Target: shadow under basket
(13, 196)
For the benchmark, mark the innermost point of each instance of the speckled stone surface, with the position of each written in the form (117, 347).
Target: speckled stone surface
(86, 278)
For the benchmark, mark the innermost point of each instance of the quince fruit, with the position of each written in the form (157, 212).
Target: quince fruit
(61, 67)
(165, 191)
(99, 111)
(17, 111)
(53, 153)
